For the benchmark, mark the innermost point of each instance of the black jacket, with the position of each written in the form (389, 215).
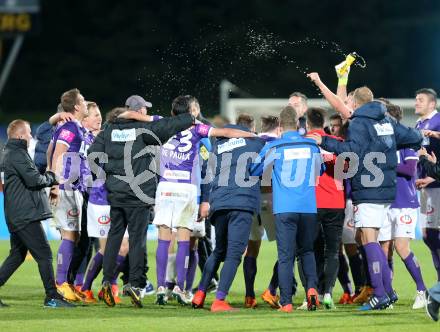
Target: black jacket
(432, 170)
(232, 158)
(25, 198)
(131, 157)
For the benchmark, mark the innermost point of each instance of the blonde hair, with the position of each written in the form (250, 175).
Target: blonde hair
(362, 96)
(15, 127)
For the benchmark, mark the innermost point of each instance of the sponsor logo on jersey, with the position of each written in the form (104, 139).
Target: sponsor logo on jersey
(176, 175)
(66, 135)
(231, 144)
(300, 153)
(125, 135)
(384, 129)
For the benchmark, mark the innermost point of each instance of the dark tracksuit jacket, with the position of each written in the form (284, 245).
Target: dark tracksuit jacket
(26, 204)
(131, 179)
(234, 198)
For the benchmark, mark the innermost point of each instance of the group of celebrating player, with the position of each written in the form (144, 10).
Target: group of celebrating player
(318, 191)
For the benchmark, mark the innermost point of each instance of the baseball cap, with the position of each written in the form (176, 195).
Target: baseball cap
(136, 102)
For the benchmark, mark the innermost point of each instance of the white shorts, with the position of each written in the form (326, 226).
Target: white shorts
(98, 221)
(369, 215)
(67, 214)
(349, 231)
(429, 206)
(176, 205)
(265, 221)
(399, 223)
(199, 229)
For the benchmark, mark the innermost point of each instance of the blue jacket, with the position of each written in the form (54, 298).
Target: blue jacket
(370, 130)
(43, 136)
(296, 163)
(232, 186)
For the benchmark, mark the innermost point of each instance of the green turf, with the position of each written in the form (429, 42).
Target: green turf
(24, 294)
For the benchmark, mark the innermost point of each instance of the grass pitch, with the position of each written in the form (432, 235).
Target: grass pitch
(24, 293)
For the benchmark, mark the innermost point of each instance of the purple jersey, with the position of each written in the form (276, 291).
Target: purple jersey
(75, 167)
(406, 193)
(432, 122)
(179, 161)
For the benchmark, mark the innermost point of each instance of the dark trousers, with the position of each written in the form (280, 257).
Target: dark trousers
(204, 247)
(136, 220)
(83, 248)
(330, 226)
(295, 230)
(232, 229)
(32, 238)
(125, 270)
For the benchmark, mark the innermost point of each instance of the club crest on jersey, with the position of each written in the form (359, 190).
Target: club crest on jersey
(72, 213)
(104, 220)
(406, 219)
(430, 210)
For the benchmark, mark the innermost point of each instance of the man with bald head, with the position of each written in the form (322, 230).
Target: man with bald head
(26, 204)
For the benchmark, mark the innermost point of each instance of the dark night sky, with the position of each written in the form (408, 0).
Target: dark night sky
(159, 49)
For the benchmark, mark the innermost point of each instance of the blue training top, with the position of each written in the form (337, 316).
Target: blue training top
(296, 163)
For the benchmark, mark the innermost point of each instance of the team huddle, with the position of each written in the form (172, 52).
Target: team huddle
(323, 193)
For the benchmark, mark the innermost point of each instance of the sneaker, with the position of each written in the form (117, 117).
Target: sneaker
(169, 294)
(250, 302)
(221, 306)
(198, 299)
(106, 294)
(90, 298)
(57, 302)
(328, 301)
(364, 295)
(419, 300)
(432, 307)
(179, 296)
(161, 296)
(312, 299)
(115, 291)
(66, 291)
(3, 305)
(272, 300)
(135, 295)
(303, 306)
(189, 296)
(346, 299)
(212, 288)
(78, 293)
(288, 308)
(376, 303)
(393, 297)
(147, 290)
